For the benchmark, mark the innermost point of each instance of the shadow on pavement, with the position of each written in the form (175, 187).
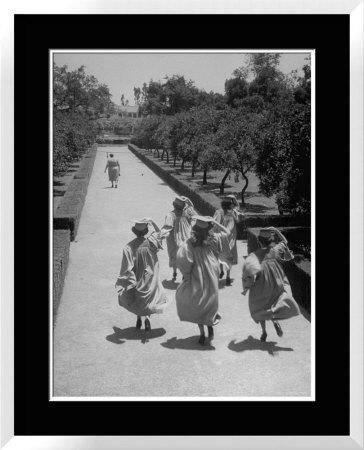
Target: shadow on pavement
(133, 334)
(222, 283)
(170, 284)
(190, 343)
(255, 344)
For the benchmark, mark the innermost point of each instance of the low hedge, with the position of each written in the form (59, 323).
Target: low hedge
(207, 203)
(61, 245)
(202, 201)
(298, 272)
(67, 215)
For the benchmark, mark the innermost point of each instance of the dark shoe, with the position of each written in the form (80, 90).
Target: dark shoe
(278, 329)
(228, 281)
(147, 325)
(263, 337)
(221, 274)
(211, 332)
(202, 340)
(139, 323)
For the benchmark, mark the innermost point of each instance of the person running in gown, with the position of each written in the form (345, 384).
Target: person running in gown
(178, 223)
(126, 279)
(197, 297)
(113, 167)
(270, 294)
(228, 216)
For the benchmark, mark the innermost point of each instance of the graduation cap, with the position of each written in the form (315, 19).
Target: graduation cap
(180, 200)
(232, 198)
(141, 225)
(272, 232)
(203, 221)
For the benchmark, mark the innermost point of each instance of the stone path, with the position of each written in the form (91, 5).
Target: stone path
(98, 352)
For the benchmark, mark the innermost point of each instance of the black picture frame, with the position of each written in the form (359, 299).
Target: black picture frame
(34, 36)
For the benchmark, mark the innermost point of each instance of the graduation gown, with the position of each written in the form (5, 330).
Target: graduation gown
(145, 294)
(197, 297)
(271, 295)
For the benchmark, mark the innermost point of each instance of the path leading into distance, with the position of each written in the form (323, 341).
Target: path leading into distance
(98, 352)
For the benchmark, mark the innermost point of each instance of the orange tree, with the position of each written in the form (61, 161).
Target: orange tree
(238, 140)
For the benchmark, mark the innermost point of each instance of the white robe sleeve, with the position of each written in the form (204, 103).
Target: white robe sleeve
(185, 260)
(126, 277)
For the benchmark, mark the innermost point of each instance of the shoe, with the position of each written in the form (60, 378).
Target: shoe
(139, 323)
(221, 274)
(201, 341)
(211, 332)
(278, 329)
(263, 337)
(147, 325)
(228, 281)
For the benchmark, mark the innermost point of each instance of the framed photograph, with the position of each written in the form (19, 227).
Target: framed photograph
(132, 127)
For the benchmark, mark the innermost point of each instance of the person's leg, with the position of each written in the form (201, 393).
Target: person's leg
(202, 334)
(139, 322)
(263, 337)
(147, 324)
(174, 273)
(211, 331)
(221, 270)
(228, 279)
(278, 328)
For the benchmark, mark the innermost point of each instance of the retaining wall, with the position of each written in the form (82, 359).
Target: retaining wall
(61, 246)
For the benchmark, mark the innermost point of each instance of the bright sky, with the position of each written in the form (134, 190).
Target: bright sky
(122, 71)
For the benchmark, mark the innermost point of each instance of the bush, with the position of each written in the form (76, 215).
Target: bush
(72, 135)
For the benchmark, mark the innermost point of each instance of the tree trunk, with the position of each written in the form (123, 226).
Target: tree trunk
(222, 185)
(162, 155)
(167, 157)
(183, 165)
(244, 188)
(193, 168)
(204, 181)
(174, 161)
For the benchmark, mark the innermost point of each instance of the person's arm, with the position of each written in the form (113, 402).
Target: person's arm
(148, 219)
(221, 228)
(107, 165)
(168, 222)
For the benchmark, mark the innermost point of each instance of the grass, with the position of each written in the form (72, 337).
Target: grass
(255, 202)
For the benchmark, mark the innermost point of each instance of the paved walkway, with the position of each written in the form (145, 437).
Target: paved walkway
(97, 350)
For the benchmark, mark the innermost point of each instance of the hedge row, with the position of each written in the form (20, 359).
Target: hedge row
(298, 272)
(203, 202)
(207, 203)
(61, 245)
(67, 215)
(113, 141)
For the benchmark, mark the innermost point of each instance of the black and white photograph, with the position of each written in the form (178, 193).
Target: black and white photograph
(181, 225)
(182, 206)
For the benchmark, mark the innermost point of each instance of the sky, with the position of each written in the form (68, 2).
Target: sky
(122, 71)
